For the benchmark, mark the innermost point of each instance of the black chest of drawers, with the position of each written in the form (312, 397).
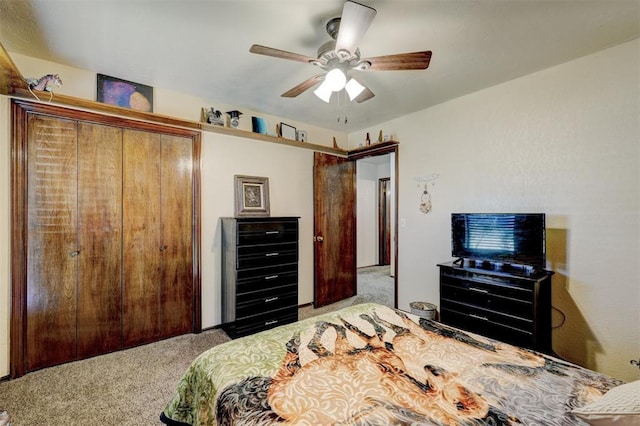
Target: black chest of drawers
(259, 273)
(513, 308)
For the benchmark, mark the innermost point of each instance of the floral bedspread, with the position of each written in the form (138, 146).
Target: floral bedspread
(370, 364)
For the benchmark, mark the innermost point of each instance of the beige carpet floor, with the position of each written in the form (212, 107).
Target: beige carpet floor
(131, 387)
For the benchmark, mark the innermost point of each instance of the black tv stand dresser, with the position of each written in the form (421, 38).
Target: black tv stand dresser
(508, 303)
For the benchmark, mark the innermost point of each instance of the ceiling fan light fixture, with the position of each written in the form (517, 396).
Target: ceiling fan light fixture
(335, 80)
(353, 88)
(323, 92)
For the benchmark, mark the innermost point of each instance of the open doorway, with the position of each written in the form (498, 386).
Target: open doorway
(375, 234)
(335, 223)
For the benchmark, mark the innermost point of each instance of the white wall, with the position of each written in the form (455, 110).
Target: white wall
(366, 215)
(368, 174)
(564, 141)
(290, 172)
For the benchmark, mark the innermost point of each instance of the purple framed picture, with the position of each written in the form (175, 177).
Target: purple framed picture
(123, 93)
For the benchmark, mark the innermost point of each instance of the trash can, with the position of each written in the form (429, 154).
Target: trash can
(423, 310)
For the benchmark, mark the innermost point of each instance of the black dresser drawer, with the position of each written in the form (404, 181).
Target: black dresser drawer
(487, 298)
(252, 280)
(263, 321)
(499, 331)
(250, 233)
(270, 299)
(477, 313)
(258, 256)
(516, 289)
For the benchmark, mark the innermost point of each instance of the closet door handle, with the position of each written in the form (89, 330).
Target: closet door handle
(163, 248)
(74, 253)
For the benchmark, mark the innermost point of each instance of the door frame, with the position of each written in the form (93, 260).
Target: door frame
(384, 221)
(383, 148)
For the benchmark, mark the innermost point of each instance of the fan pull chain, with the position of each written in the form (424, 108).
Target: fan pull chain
(341, 94)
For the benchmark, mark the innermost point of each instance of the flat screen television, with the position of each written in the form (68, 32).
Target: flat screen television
(511, 238)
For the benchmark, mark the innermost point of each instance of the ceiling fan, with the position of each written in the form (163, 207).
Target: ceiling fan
(340, 57)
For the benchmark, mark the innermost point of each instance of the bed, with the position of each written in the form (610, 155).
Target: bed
(370, 364)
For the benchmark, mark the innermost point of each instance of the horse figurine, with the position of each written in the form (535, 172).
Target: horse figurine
(44, 84)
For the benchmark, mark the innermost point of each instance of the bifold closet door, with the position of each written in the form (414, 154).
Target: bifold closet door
(52, 259)
(99, 239)
(74, 240)
(177, 224)
(158, 227)
(142, 246)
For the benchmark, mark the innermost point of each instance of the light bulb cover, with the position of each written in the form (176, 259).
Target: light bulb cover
(323, 92)
(353, 88)
(335, 80)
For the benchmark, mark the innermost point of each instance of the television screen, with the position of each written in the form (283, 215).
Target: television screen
(513, 238)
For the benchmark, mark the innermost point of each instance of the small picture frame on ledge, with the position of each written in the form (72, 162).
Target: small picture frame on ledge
(251, 196)
(287, 131)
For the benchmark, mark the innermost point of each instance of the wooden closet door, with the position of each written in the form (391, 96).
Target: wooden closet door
(177, 227)
(52, 261)
(141, 237)
(100, 238)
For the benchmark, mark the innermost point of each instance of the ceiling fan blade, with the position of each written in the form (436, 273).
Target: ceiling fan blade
(399, 62)
(305, 85)
(282, 54)
(354, 23)
(365, 95)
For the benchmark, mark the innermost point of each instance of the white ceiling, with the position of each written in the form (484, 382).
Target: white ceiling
(202, 47)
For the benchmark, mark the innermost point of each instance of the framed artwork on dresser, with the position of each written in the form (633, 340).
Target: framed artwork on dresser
(251, 196)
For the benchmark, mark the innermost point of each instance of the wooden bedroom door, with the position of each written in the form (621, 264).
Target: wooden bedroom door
(334, 229)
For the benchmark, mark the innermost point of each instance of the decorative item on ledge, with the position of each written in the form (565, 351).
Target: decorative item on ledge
(212, 116)
(252, 196)
(287, 131)
(123, 93)
(234, 118)
(259, 125)
(301, 135)
(44, 84)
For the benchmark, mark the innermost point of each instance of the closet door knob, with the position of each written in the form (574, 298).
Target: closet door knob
(74, 253)
(163, 248)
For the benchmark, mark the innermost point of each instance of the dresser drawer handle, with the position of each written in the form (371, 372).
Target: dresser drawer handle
(272, 232)
(271, 322)
(270, 299)
(272, 254)
(479, 290)
(480, 317)
(271, 277)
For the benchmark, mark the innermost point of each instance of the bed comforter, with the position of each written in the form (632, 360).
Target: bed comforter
(373, 365)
